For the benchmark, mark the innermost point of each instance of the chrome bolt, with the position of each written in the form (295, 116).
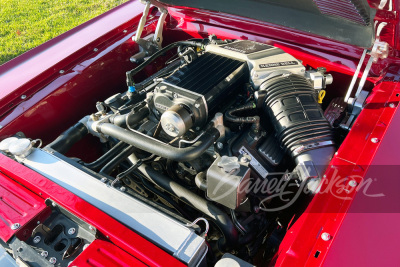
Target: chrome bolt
(374, 140)
(353, 183)
(38, 222)
(326, 236)
(197, 105)
(91, 228)
(95, 49)
(44, 254)
(220, 145)
(197, 128)
(23, 96)
(37, 239)
(103, 180)
(392, 105)
(53, 260)
(125, 31)
(244, 160)
(336, 153)
(61, 71)
(175, 95)
(71, 231)
(122, 188)
(15, 226)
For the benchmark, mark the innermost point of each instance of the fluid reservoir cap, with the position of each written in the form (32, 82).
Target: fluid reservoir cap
(22, 147)
(5, 144)
(229, 163)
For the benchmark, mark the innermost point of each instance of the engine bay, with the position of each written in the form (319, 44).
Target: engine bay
(230, 135)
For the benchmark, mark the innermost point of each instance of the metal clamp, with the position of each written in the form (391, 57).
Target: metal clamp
(197, 220)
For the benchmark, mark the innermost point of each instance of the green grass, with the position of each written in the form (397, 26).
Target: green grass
(25, 24)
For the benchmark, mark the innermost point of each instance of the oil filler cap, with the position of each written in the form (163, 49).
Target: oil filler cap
(21, 147)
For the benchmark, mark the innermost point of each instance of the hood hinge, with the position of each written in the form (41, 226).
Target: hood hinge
(380, 50)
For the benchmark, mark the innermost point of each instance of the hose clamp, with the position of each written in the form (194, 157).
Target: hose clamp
(303, 148)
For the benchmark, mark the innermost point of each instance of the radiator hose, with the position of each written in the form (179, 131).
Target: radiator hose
(300, 126)
(218, 216)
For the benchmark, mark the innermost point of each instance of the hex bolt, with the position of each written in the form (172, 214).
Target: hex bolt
(91, 228)
(122, 188)
(392, 105)
(125, 31)
(325, 236)
(197, 105)
(71, 231)
(37, 239)
(374, 140)
(95, 49)
(103, 180)
(15, 226)
(244, 159)
(175, 95)
(220, 145)
(353, 183)
(44, 254)
(23, 96)
(53, 260)
(61, 71)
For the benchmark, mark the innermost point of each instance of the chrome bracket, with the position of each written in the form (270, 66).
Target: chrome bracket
(142, 21)
(158, 38)
(379, 50)
(150, 44)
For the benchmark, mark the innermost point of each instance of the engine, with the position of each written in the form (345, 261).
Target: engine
(215, 135)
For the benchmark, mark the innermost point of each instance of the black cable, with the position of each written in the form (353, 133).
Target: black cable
(114, 151)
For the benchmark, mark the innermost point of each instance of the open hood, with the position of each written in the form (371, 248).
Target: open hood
(348, 21)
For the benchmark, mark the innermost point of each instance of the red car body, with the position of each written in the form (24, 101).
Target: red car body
(40, 89)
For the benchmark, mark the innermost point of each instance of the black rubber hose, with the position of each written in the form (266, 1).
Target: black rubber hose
(67, 139)
(298, 119)
(131, 118)
(255, 120)
(131, 73)
(109, 167)
(200, 181)
(114, 151)
(154, 146)
(219, 217)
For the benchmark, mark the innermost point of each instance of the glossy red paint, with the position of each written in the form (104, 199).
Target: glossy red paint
(18, 205)
(102, 253)
(108, 228)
